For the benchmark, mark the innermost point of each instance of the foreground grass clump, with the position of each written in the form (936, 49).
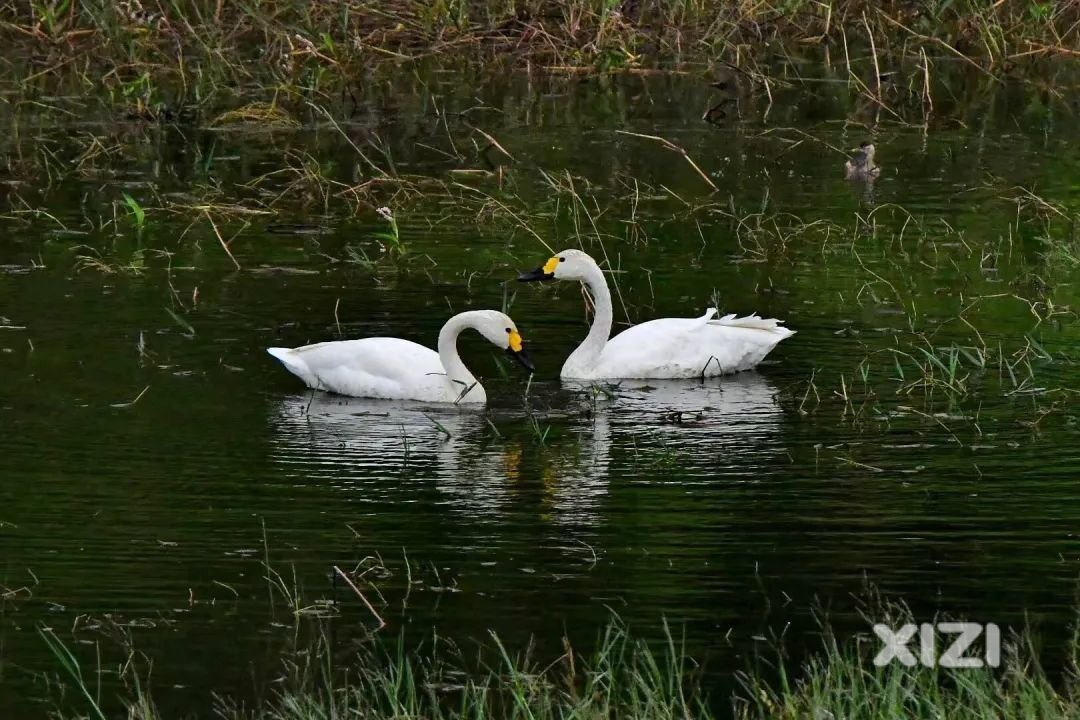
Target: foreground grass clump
(623, 678)
(842, 682)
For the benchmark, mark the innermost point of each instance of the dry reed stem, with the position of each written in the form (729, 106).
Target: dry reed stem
(502, 206)
(224, 245)
(674, 148)
(495, 144)
(363, 156)
(873, 54)
(942, 43)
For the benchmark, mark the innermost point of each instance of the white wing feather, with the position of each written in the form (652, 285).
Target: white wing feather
(686, 348)
(377, 367)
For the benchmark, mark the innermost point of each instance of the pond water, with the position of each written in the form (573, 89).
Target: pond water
(917, 436)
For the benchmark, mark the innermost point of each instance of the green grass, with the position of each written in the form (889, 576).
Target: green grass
(623, 677)
(842, 682)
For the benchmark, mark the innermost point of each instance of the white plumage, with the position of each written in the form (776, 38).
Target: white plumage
(396, 369)
(665, 348)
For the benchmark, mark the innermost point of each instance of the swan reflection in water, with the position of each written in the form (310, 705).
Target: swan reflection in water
(700, 427)
(488, 464)
(385, 446)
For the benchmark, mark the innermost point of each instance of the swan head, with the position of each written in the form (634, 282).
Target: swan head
(566, 265)
(501, 332)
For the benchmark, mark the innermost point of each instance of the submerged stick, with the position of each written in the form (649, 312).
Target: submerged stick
(495, 144)
(348, 580)
(129, 404)
(224, 245)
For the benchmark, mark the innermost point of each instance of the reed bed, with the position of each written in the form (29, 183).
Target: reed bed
(161, 58)
(611, 32)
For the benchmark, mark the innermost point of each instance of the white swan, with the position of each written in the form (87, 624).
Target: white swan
(664, 348)
(396, 369)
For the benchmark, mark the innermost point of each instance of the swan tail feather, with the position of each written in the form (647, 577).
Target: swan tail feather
(753, 322)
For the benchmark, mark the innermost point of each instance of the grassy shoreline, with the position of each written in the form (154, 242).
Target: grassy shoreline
(623, 677)
(196, 44)
(547, 27)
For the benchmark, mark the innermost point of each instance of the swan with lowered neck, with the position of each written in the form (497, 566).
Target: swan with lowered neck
(665, 348)
(396, 369)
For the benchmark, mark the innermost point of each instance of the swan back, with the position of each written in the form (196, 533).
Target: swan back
(662, 348)
(397, 369)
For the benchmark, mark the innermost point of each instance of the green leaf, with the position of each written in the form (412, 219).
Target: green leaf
(136, 210)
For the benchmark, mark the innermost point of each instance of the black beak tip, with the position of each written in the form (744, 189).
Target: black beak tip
(522, 359)
(535, 275)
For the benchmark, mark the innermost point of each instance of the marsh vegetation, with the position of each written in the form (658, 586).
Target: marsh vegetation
(183, 184)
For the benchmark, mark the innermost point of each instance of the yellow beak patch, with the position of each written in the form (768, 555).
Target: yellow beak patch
(550, 265)
(515, 341)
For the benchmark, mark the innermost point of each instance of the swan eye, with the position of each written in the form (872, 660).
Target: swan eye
(562, 259)
(508, 331)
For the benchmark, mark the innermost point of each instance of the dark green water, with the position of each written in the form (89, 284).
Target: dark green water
(771, 495)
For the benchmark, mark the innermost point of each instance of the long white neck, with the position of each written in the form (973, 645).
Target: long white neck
(457, 375)
(588, 352)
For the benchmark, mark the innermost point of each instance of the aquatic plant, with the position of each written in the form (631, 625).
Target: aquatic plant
(392, 237)
(137, 212)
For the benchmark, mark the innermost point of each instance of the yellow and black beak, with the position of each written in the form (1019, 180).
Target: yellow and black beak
(541, 274)
(516, 350)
